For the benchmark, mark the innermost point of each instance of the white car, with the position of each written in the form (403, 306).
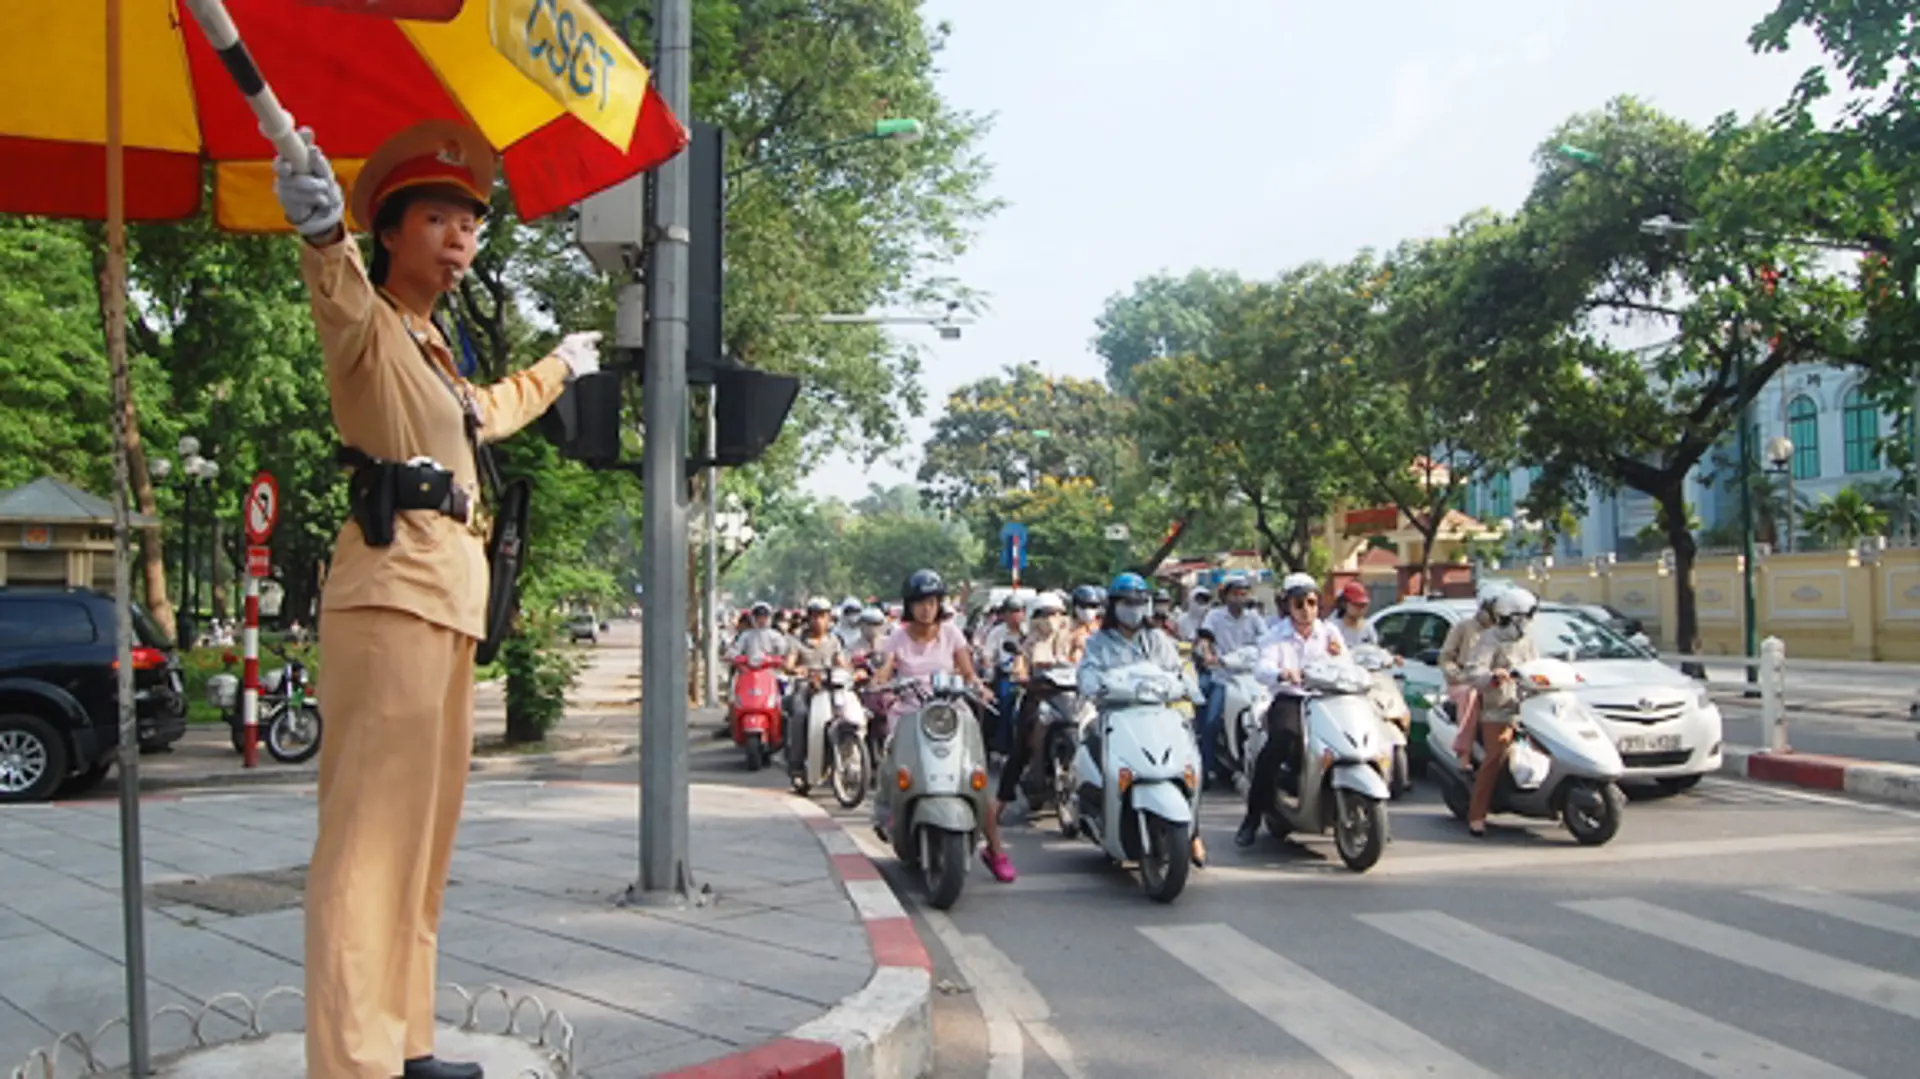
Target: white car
(1667, 730)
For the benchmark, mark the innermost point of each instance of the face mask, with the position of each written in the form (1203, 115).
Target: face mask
(1130, 615)
(1511, 630)
(1086, 614)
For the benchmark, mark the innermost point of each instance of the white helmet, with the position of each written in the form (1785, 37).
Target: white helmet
(1049, 603)
(819, 605)
(1514, 605)
(873, 616)
(1490, 590)
(1298, 583)
(850, 606)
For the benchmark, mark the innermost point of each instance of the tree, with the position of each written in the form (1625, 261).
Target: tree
(1845, 518)
(1007, 432)
(1164, 316)
(826, 549)
(1729, 306)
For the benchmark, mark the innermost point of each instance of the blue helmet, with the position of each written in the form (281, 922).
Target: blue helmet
(1129, 586)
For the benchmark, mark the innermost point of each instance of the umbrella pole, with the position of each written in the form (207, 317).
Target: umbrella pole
(114, 297)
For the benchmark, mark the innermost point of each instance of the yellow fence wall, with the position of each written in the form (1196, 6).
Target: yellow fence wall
(1861, 604)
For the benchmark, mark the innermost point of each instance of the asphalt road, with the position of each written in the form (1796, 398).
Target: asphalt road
(1839, 734)
(1738, 930)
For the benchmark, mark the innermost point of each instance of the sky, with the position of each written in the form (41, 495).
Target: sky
(1134, 137)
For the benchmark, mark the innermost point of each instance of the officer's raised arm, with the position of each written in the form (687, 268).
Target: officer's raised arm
(520, 398)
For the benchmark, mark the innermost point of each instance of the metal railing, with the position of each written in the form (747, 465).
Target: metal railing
(1769, 677)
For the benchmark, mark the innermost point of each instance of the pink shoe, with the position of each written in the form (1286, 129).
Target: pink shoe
(1000, 865)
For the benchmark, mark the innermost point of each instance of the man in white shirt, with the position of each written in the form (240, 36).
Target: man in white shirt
(1225, 630)
(1199, 605)
(1285, 653)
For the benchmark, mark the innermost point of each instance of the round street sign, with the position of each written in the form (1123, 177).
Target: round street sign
(262, 510)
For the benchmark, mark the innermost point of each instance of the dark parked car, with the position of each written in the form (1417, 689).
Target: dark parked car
(59, 722)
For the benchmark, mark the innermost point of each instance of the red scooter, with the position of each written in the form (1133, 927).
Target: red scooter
(754, 712)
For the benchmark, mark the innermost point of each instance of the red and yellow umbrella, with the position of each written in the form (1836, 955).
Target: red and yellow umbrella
(568, 106)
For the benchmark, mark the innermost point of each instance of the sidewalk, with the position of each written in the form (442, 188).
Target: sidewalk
(782, 931)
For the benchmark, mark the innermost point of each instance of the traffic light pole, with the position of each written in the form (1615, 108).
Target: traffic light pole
(664, 871)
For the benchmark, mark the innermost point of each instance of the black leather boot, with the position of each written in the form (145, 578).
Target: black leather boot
(435, 1068)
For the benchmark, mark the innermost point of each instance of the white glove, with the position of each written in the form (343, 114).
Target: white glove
(310, 195)
(580, 352)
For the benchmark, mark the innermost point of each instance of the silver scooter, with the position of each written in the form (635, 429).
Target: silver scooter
(1139, 778)
(933, 793)
(1563, 766)
(836, 749)
(1395, 717)
(1340, 781)
(1245, 712)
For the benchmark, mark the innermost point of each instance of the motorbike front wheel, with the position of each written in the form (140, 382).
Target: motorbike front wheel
(1359, 829)
(1065, 797)
(293, 735)
(849, 769)
(943, 866)
(1168, 857)
(1593, 810)
(755, 758)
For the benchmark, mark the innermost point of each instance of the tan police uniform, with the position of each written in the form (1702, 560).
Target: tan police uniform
(398, 630)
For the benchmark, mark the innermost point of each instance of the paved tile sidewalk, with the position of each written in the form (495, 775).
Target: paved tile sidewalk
(538, 864)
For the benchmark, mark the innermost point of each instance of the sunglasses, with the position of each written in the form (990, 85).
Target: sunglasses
(1306, 601)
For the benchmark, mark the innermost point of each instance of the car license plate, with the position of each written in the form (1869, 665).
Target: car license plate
(1649, 743)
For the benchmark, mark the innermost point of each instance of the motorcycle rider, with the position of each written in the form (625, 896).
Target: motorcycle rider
(1049, 644)
(848, 628)
(873, 630)
(1227, 628)
(926, 644)
(1350, 616)
(1125, 639)
(1003, 654)
(1161, 616)
(1088, 601)
(1504, 646)
(760, 639)
(1302, 639)
(1455, 651)
(814, 652)
(1199, 603)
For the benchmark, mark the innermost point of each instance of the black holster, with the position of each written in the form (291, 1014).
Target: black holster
(380, 489)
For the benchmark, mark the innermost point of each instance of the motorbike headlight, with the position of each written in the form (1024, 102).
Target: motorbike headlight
(942, 721)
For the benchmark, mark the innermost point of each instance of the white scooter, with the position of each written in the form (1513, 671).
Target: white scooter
(836, 750)
(1562, 764)
(934, 794)
(1396, 718)
(1139, 778)
(1245, 712)
(1341, 780)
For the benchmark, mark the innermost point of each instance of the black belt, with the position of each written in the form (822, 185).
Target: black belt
(414, 487)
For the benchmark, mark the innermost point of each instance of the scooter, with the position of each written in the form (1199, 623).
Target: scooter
(1396, 717)
(836, 749)
(288, 718)
(1138, 773)
(754, 711)
(1561, 766)
(1340, 782)
(1062, 713)
(1247, 702)
(933, 793)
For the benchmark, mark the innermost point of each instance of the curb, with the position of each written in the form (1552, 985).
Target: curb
(1896, 783)
(883, 1031)
(310, 773)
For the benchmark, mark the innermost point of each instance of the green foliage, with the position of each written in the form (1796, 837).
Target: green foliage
(56, 411)
(1845, 518)
(539, 672)
(1007, 432)
(1164, 316)
(827, 549)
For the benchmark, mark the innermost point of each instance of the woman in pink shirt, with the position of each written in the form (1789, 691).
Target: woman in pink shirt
(926, 644)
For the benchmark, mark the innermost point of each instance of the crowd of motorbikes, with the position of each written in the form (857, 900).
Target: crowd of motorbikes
(1122, 769)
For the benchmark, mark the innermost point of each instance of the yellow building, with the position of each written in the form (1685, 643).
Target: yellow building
(52, 533)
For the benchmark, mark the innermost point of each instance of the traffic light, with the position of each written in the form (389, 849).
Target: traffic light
(585, 421)
(750, 407)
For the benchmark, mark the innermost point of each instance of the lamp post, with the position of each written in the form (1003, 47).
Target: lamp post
(194, 469)
(1780, 454)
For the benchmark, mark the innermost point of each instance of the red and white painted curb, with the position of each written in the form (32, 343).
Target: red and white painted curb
(884, 1031)
(1897, 783)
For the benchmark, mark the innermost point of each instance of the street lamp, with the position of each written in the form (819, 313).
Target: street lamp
(1780, 453)
(193, 469)
(891, 129)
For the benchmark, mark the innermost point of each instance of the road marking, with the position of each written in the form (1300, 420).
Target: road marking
(874, 899)
(1892, 992)
(1883, 916)
(1008, 1001)
(1835, 800)
(1352, 1035)
(1571, 856)
(1703, 1044)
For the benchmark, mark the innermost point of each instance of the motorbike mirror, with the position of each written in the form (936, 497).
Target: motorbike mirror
(1009, 648)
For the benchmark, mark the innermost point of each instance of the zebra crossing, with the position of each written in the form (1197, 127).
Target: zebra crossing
(1357, 1038)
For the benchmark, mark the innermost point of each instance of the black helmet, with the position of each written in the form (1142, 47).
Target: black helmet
(920, 585)
(1089, 596)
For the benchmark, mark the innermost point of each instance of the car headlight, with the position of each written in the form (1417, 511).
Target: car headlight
(942, 721)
